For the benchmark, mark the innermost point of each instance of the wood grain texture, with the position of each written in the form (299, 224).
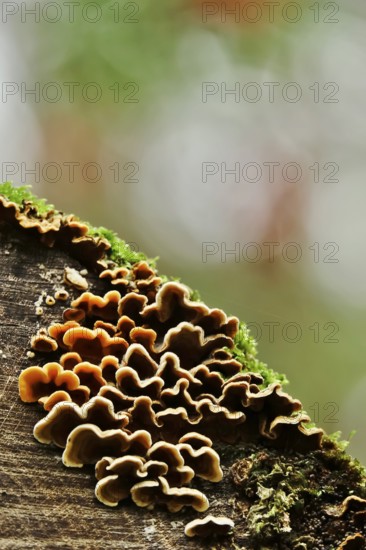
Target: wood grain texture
(45, 505)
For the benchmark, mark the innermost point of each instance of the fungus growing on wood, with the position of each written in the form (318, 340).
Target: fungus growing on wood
(61, 295)
(149, 493)
(59, 423)
(143, 416)
(117, 276)
(165, 379)
(69, 360)
(79, 396)
(90, 375)
(351, 503)
(108, 327)
(116, 477)
(57, 331)
(93, 345)
(38, 382)
(43, 343)
(208, 526)
(178, 473)
(138, 358)
(105, 308)
(353, 542)
(120, 402)
(167, 371)
(87, 444)
(50, 301)
(56, 229)
(74, 314)
(141, 278)
(204, 461)
(109, 365)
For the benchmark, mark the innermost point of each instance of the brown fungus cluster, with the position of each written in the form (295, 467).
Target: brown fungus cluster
(145, 386)
(56, 229)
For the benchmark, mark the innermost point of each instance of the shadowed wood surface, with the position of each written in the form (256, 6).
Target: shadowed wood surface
(43, 503)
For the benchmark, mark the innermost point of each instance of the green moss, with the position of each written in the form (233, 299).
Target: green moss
(283, 488)
(120, 251)
(20, 194)
(245, 351)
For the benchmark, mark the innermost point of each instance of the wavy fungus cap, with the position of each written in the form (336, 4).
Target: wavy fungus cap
(61, 420)
(116, 477)
(141, 278)
(87, 444)
(149, 493)
(38, 382)
(208, 526)
(43, 343)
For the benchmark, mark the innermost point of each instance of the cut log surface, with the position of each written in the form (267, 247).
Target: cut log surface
(45, 505)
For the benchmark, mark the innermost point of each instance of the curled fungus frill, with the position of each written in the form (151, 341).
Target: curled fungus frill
(353, 542)
(146, 385)
(57, 229)
(208, 526)
(161, 476)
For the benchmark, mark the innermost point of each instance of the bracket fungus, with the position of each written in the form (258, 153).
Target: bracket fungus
(43, 343)
(208, 526)
(148, 383)
(73, 278)
(149, 493)
(61, 420)
(87, 444)
(163, 387)
(104, 308)
(38, 383)
(116, 477)
(142, 279)
(353, 542)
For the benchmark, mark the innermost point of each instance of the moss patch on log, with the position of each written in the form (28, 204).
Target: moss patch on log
(295, 500)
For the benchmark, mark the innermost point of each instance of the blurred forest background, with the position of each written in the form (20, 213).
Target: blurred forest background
(121, 112)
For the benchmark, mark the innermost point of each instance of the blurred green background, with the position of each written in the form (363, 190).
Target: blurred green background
(106, 114)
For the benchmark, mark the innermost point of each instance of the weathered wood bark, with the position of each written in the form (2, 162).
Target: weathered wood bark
(43, 504)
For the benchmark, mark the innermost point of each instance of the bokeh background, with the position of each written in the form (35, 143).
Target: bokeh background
(121, 112)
